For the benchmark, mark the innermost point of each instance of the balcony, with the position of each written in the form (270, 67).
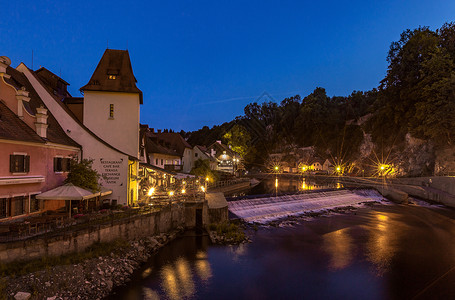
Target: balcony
(174, 168)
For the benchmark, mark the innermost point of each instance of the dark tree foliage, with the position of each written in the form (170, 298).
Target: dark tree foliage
(82, 175)
(417, 94)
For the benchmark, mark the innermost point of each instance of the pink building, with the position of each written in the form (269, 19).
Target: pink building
(34, 149)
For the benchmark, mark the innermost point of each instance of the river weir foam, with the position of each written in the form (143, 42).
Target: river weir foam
(267, 209)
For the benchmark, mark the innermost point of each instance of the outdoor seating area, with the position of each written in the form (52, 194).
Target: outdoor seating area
(33, 225)
(59, 221)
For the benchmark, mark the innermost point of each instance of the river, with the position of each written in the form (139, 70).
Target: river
(384, 251)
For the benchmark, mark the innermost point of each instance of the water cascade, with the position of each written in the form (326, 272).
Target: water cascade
(262, 210)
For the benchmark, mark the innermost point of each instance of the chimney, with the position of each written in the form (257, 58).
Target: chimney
(152, 130)
(4, 63)
(41, 121)
(21, 95)
(159, 130)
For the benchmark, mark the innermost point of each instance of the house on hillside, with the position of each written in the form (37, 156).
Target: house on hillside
(329, 166)
(158, 152)
(316, 164)
(35, 150)
(227, 159)
(201, 152)
(174, 141)
(105, 122)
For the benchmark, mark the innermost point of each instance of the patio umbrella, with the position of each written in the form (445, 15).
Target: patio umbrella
(70, 192)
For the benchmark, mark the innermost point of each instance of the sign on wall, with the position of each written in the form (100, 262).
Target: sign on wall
(111, 170)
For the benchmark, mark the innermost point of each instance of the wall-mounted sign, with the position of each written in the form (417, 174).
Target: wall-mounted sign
(111, 170)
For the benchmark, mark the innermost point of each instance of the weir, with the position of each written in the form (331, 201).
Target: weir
(262, 210)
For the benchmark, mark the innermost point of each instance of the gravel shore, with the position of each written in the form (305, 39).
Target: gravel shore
(91, 279)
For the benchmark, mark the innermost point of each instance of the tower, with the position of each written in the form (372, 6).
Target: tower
(112, 102)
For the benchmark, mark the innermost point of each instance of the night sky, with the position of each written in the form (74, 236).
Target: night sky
(200, 62)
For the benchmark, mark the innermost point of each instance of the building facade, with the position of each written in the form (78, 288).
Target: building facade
(105, 122)
(34, 149)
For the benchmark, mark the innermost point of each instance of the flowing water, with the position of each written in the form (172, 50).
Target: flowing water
(380, 252)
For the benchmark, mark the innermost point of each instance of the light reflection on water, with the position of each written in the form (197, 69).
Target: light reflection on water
(389, 252)
(384, 237)
(178, 278)
(338, 244)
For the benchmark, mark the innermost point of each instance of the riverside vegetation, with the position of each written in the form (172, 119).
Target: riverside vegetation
(227, 233)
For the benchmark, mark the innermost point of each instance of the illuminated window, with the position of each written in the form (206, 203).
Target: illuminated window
(111, 111)
(112, 77)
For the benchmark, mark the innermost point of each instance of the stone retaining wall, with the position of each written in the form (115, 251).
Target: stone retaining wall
(140, 226)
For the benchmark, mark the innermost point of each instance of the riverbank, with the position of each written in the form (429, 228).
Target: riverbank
(93, 278)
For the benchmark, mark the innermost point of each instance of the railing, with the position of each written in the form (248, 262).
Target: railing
(175, 168)
(228, 182)
(52, 224)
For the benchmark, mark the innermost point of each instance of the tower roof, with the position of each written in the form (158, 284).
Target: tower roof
(114, 74)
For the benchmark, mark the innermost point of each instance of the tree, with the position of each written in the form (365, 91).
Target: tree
(239, 139)
(202, 169)
(82, 175)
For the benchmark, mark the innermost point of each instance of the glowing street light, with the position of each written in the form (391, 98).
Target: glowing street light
(171, 193)
(151, 191)
(203, 189)
(183, 191)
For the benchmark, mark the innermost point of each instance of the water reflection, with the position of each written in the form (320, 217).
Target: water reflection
(338, 244)
(279, 184)
(383, 236)
(149, 294)
(286, 185)
(146, 272)
(238, 250)
(383, 241)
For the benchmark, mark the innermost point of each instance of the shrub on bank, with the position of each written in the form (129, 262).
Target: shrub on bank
(227, 233)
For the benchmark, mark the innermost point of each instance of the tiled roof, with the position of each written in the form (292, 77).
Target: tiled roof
(54, 82)
(223, 147)
(55, 133)
(153, 147)
(113, 74)
(13, 128)
(175, 140)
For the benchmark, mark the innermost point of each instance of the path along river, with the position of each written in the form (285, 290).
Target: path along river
(384, 251)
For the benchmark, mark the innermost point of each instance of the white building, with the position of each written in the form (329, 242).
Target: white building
(105, 122)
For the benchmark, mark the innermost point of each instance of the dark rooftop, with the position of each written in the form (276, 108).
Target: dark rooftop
(114, 74)
(55, 133)
(13, 128)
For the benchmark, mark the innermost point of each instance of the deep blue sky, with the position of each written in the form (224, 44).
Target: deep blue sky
(200, 62)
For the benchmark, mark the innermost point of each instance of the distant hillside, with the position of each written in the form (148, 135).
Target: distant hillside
(408, 120)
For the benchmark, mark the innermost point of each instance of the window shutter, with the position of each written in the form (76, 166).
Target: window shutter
(27, 163)
(55, 164)
(11, 163)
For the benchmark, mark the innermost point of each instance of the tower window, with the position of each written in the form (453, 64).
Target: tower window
(112, 77)
(111, 111)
